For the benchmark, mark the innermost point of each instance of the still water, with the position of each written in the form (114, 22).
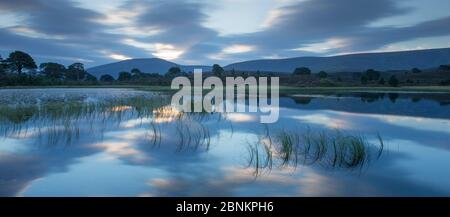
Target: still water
(121, 142)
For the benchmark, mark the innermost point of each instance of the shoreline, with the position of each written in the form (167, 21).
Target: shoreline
(282, 89)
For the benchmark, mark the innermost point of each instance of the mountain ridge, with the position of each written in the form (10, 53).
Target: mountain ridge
(148, 65)
(382, 61)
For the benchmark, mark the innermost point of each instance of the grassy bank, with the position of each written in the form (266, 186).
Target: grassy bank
(283, 89)
(410, 89)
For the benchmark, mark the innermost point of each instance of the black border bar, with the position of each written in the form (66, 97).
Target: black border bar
(285, 206)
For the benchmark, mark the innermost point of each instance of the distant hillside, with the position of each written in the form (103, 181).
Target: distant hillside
(403, 60)
(151, 65)
(353, 62)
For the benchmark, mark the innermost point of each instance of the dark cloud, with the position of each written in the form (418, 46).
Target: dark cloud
(181, 25)
(326, 18)
(63, 18)
(317, 21)
(24, 5)
(375, 38)
(82, 35)
(66, 33)
(169, 14)
(49, 31)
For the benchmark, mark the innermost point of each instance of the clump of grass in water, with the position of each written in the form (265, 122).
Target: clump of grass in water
(329, 149)
(60, 121)
(288, 148)
(260, 158)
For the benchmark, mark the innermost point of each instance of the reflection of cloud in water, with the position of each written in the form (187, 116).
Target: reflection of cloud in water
(135, 134)
(424, 162)
(25, 134)
(246, 175)
(166, 114)
(135, 122)
(420, 123)
(167, 185)
(325, 120)
(240, 117)
(121, 108)
(239, 181)
(125, 145)
(119, 159)
(313, 184)
(119, 148)
(18, 171)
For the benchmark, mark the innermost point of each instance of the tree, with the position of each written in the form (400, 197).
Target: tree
(372, 75)
(364, 79)
(136, 73)
(217, 70)
(53, 70)
(302, 71)
(173, 71)
(19, 60)
(76, 72)
(444, 67)
(124, 76)
(445, 82)
(107, 78)
(2, 66)
(381, 81)
(393, 81)
(322, 74)
(90, 77)
(416, 70)
(2, 70)
(233, 73)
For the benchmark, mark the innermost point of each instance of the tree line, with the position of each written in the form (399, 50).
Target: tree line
(21, 69)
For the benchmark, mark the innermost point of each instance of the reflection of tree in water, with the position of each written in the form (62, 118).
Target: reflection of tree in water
(393, 97)
(444, 103)
(415, 99)
(303, 100)
(371, 97)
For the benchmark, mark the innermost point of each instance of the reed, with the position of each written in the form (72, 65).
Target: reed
(330, 149)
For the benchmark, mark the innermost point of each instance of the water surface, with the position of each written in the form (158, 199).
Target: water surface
(122, 142)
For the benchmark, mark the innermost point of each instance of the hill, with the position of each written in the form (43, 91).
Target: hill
(385, 61)
(403, 60)
(150, 65)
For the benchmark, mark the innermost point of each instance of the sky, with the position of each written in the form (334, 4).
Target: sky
(205, 32)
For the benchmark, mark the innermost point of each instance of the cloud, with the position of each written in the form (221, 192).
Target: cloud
(118, 56)
(323, 27)
(231, 51)
(46, 17)
(238, 48)
(325, 46)
(181, 30)
(180, 25)
(160, 50)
